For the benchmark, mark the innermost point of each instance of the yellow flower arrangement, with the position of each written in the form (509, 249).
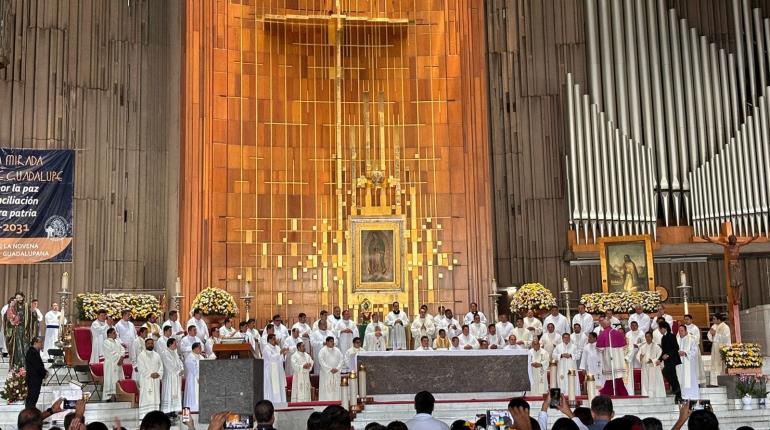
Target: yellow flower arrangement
(742, 356)
(215, 301)
(621, 302)
(532, 296)
(140, 305)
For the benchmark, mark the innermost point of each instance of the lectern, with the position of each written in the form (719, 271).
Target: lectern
(232, 350)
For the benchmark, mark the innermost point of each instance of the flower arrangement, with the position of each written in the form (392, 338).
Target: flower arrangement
(140, 305)
(742, 356)
(215, 301)
(15, 388)
(751, 385)
(621, 302)
(532, 296)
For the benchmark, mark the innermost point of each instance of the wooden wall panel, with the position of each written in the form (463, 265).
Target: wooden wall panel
(531, 47)
(100, 77)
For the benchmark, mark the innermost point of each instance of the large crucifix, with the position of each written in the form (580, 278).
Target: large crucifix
(733, 272)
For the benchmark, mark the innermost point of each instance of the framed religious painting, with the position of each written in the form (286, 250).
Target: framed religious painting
(627, 263)
(377, 254)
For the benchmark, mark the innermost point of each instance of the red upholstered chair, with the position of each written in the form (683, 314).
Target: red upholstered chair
(582, 381)
(97, 376)
(637, 381)
(315, 382)
(127, 391)
(82, 344)
(128, 370)
(289, 380)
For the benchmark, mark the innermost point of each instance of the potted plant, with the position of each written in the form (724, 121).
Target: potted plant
(15, 389)
(750, 389)
(216, 304)
(533, 296)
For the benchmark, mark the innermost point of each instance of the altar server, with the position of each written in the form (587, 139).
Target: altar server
(318, 341)
(539, 359)
(113, 353)
(564, 353)
(192, 372)
(275, 378)
(534, 325)
(345, 329)
(98, 335)
(523, 335)
(173, 370)
(330, 359)
(560, 322)
(396, 322)
(652, 376)
(422, 326)
(301, 364)
(719, 335)
(53, 323)
(150, 367)
(687, 371)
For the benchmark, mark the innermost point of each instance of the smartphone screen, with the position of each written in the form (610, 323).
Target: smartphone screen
(555, 398)
(238, 422)
(693, 404)
(499, 420)
(185, 415)
(69, 404)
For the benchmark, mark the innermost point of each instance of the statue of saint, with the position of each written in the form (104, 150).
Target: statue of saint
(21, 326)
(732, 247)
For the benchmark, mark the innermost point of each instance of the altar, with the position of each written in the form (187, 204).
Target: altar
(477, 371)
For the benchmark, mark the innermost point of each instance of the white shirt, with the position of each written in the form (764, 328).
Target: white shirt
(585, 320)
(560, 323)
(425, 422)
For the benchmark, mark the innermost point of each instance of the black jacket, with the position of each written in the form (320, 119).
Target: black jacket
(670, 346)
(34, 365)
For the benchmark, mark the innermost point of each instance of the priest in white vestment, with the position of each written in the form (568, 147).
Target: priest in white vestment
(330, 359)
(455, 344)
(560, 323)
(187, 342)
(450, 324)
(534, 325)
(641, 318)
(495, 340)
(136, 348)
(126, 330)
(375, 340)
(719, 335)
(472, 313)
(301, 364)
(687, 372)
(98, 335)
(153, 329)
(466, 340)
(227, 330)
(424, 344)
(477, 328)
(303, 327)
(583, 319)
(280, 329)
(173, 370)
(150, 367)
(53, 322)
(323, 316)
(591, 360)
(441, 342)
(397, 322)
(176, 327)
(652, 373)
(634, 339)
(275, 377)
(661, 313)
(564, 353)
(350, 364)
(550, 338)
(512, 343)
(422, 326)
(318, 341)
(694, 331)
(579, 339)
(374, 323)
(160, 344)
(523, 335)
(197, 321)
(504, 327)
(290, 344)
(113, 353)
(539, 359)
(345, 329)
(191, 374)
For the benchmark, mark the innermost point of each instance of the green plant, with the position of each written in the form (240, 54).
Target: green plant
(752, 386)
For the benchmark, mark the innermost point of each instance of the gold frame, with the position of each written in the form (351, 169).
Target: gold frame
(619, 240)
(393, 224)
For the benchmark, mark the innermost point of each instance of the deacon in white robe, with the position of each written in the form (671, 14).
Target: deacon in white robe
(523, 335)
(98, 335)
(53, 322)
(397, 322)
(275, 378)
(550, 338)
(290, 344)
(375, 340)
(176, 326)
(652, 373)
(318, 340)
(150, 367)
(539, 358)
(422, 326)
(113, 353)
(173, 370)
(560, 322)
(467, 340)
(583, 319)
(350, 364)
(534, 325)
(197, 321)
(591, 360)
(719, 335)
(331, 360)
(301, 364)
(191, 374)
(564, 353)
(126, 330)
(504, 327)
(687, 372)
(346, 329)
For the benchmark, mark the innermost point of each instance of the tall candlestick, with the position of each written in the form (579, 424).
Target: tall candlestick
(65, 281)
(682, 278)
(178, 286)
(361, 380)
(353, 387)
(552, 374)
(590, 387)
(345, 393)
(571, 376)
(565, 284)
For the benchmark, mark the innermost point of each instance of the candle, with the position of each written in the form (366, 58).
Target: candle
(178, 286)
(571, 376)
(65, 281)
(590, 387)
(246, 288)
(345, 393)
(361, 380)
(565, 284)
(353, 387)
(552, 374)
(683, 278)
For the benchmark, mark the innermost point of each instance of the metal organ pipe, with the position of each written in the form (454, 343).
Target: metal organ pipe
(635, 115)
(698, 152)
(738, 24)
(572, 147)
(680, 116)
(607, 75)
(594, 57)
(690, 147)
(657, 97)
(708, 100)
(749, 55)
(760, 39)
(620, 66)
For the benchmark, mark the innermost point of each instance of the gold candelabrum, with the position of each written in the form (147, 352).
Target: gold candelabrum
(65, 327)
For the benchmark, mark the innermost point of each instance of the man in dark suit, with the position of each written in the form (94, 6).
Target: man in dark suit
(36, 372)
(670, 358)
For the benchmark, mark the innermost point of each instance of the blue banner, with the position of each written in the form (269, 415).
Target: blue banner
(36, 192)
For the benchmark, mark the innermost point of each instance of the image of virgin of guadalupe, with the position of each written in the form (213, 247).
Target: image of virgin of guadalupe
(21, 326)
(377, 264)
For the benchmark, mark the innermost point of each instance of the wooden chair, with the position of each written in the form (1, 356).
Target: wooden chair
(127, 391)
